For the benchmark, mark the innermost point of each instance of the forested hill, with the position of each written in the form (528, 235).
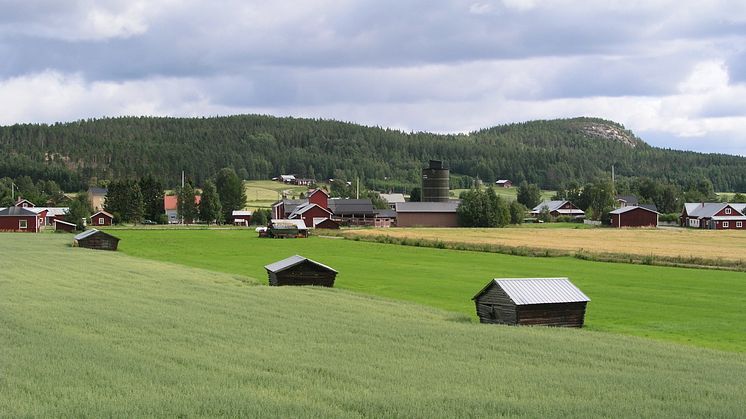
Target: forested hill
(549, 153)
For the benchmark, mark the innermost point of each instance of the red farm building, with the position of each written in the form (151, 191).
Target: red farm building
(19, 219)
(102, 218)
(634, 217)
(714, 216)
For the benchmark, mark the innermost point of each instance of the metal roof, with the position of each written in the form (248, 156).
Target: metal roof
(340, 206)
(622, 210)
(450, 206)
(64, 222)
(628, 199)
(392, 198)
(240, 213)
(283, 223)
(709, 209)
(386, 213)
(301, 209)
(97, 191)
(552, 205)
(526, 291)
(17, 211)
(85, 234)
(293, 261)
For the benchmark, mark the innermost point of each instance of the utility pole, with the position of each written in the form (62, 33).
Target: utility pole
(12, 191)
(357, 188)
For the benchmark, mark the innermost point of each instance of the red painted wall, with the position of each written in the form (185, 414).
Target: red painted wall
(319, 198)
(95, 220)
(10, 223)
(635, 218)
(312, 213)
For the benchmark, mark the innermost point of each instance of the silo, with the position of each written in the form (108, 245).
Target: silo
(435, 182)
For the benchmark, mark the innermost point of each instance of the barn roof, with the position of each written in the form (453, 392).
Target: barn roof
(64, 222)
(622, 210)
(17, 211)
(526, 291)
(294, 260)
(303, 208)
(628, 199)
(340, 206)
(450, 206)
(103, 213)
(91, 232)
(284, 223)
(709, 209)
(392, 198)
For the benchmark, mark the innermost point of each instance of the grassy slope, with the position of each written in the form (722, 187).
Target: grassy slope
(263, 193)
(696, 307)
(508, 193)
(96, 334)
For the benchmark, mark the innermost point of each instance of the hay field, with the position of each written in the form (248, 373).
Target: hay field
(670, 242)
(103, 334)
(263, 193)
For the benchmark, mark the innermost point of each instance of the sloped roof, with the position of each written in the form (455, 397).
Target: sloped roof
(299, 224)
(301, 209)
(240, 213)
(340, 206)
(631, 208)
(526, 291)
(552, 205)
(450, 206)
(709, 209)
(17, 211)
(104, 213)
(652, 207)
(97, 191)
(91, 232)
(64, 222)
(170, 202)
(501, 181)
(386, 213)
(294, 260)
(629, 199)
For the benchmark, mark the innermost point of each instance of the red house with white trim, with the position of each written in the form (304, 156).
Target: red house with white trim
(309, 212)
(19, 219)
(714, 216)
(102, 218)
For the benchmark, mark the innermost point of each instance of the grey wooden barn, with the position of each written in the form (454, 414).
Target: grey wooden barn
(96, 239)
(298, 270)
(531, 301)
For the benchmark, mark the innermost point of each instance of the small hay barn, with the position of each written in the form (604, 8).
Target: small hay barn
(61, 225)
(297, 270)
(531, 301)
(96, 239)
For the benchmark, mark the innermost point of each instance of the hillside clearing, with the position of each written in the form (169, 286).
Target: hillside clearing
(692, 306)
(142, 338)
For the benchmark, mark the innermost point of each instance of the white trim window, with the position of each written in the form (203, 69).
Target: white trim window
(100, 221)
(22, 224)
(739, 224)
(726, 224)
(727, 211)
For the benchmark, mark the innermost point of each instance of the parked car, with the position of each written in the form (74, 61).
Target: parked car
(150, 222)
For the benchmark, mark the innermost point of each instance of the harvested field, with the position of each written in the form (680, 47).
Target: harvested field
(668, 242)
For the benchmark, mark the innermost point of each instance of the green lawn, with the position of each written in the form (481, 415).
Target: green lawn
(263, 193)
(507, 193)
(696, 307)
(101, 334)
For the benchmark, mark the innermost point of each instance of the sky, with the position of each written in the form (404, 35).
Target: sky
(674, 72)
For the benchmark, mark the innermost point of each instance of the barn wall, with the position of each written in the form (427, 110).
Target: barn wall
(10, 223)
(427, 219)
(304, 274)
(561, 314)
(320, 199)
(312, 213)
(635, 218)
(494, 306)
(99, 242)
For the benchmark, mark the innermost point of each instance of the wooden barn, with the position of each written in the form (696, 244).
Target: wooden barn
(21, 219)
(632, 216)
(297, 270)
(531, 301)
(96, 239)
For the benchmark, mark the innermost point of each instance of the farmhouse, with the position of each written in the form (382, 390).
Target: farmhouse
(504, 183)
(427, 214)
(96, 239)
(531, 301)
(19, 219)
(97, 198)
(308, 213)
(626, 201)
(171, 205)
(713, 215)
(634, 216)
(24, 203)
(102, 218)
(557, 208)
(298, 270)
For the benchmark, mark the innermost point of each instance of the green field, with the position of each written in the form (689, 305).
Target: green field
(99, 334)
(696, 307)
(507, 193)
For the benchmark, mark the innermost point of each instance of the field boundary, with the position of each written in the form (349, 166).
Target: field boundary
(650, 259)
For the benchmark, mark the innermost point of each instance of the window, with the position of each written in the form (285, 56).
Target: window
(739, 224)
(100, 221)
(22, 224)
(727, 211)
(725, 224)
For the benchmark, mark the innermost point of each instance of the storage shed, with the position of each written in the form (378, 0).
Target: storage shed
(297, 270)
(531, 301)
(61, 225)
(634, 216)
(96, 239)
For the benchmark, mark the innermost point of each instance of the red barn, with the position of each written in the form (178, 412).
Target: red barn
(309, 212)
(19, 219)
(634, 217)
(319, 197)
(102, 218)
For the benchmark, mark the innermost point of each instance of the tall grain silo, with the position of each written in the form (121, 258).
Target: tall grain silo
(435, 182)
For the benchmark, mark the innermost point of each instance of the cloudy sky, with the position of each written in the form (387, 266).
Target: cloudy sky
(672, 71)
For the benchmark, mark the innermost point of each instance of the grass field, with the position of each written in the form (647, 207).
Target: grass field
(101, 334)
(671, 242)
(507, 193)
(691, 306)
(263, 193)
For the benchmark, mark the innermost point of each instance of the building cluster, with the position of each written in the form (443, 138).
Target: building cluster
(24, 216)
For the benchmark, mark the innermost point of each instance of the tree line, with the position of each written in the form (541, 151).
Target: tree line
(547, 153)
